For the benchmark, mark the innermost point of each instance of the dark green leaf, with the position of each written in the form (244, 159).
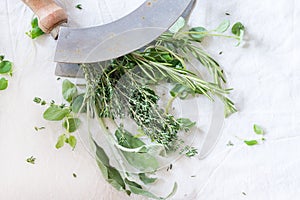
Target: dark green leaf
(3, 83)
(61, 141)
(185, 123)
(72, 141)
(145, 179)
(69, 90)
(5, 67)
(55, 113)
(78, 6)
(71, 124)
(258, 130)
(132, 183)
(76, 104)
(223, 26)
(198, 33)
(31, 160)
(1, 57)
(237, 28)
(115, 179)
(251, 142)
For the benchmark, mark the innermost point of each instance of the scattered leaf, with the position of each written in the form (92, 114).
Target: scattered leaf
(35, 29)
(251, 142)
(237, 29)
(31, 160)
(55, 113)
(71, 124)
(72, 141)
(61, 141)
(69, 90)
(5, 67)
(3, 83)
(258, 129)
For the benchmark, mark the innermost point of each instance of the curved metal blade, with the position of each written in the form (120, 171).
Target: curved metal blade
(105, 42)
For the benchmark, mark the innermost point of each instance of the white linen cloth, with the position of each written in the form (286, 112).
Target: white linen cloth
(264, 74)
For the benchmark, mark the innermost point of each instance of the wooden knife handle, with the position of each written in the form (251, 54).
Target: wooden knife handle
(49, 13)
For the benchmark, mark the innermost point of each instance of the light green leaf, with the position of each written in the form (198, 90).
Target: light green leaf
(251, 142)
(258, 130)
(69, 90)
(61, 141)
(181, 91)
(3, 83)
(72, 141)
(145, 179)
(71, 124)
(238, 29)
(179, 24)
(55, 113)
(186, 124)
(223, 26)
(35, 29)
(76, 104)
(5, 67)
(198, 33)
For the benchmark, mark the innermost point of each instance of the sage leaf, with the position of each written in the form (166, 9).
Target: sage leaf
(69, 90)
(3, 83)
(72, 141)
(71, 124)
(77, 104)
(145, 179)
(55, 113)
(198, 33)
(223, 26)
(186, 124)
(5, 67)
(251, 142)
(258, 130)
(61, 141)
(179, 24)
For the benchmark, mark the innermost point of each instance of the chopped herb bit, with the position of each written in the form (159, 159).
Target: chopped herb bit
(31, 160)
(171, 166)
(230, 143)
(263, 139)
(39, 128)
(58, 78)
(221, 52)
(251, 142)
(78, 6)
(74, 175)
(244, 193)
(193, 176)
(227, 13)
(258, 130)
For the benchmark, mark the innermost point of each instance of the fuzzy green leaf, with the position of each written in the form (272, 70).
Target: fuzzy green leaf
(76, 104)
(198, 33)
(179, 24)
(223, 26)
(55, 113)
(61, 141)
(71, 124)
(145, 179)
(69, 90)
(3, 83)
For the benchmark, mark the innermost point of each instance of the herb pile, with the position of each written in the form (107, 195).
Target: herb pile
(124, 89)
(6, 70)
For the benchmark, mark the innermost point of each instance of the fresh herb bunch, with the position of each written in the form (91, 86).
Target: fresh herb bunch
(124, 88)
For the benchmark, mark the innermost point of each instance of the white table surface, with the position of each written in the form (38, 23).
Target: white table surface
(264, 74)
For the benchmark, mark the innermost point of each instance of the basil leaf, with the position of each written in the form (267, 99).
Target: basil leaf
(258, 130)
(199, 33)
(5, 67)
(237, 29)
(76, 104)
(251, 142)
(69, 90)
(35, 29)
(61, 141)
(55, 113)
(223, 26)
(145, 179)
(3, 83)
(71, 124)
(179, 24)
